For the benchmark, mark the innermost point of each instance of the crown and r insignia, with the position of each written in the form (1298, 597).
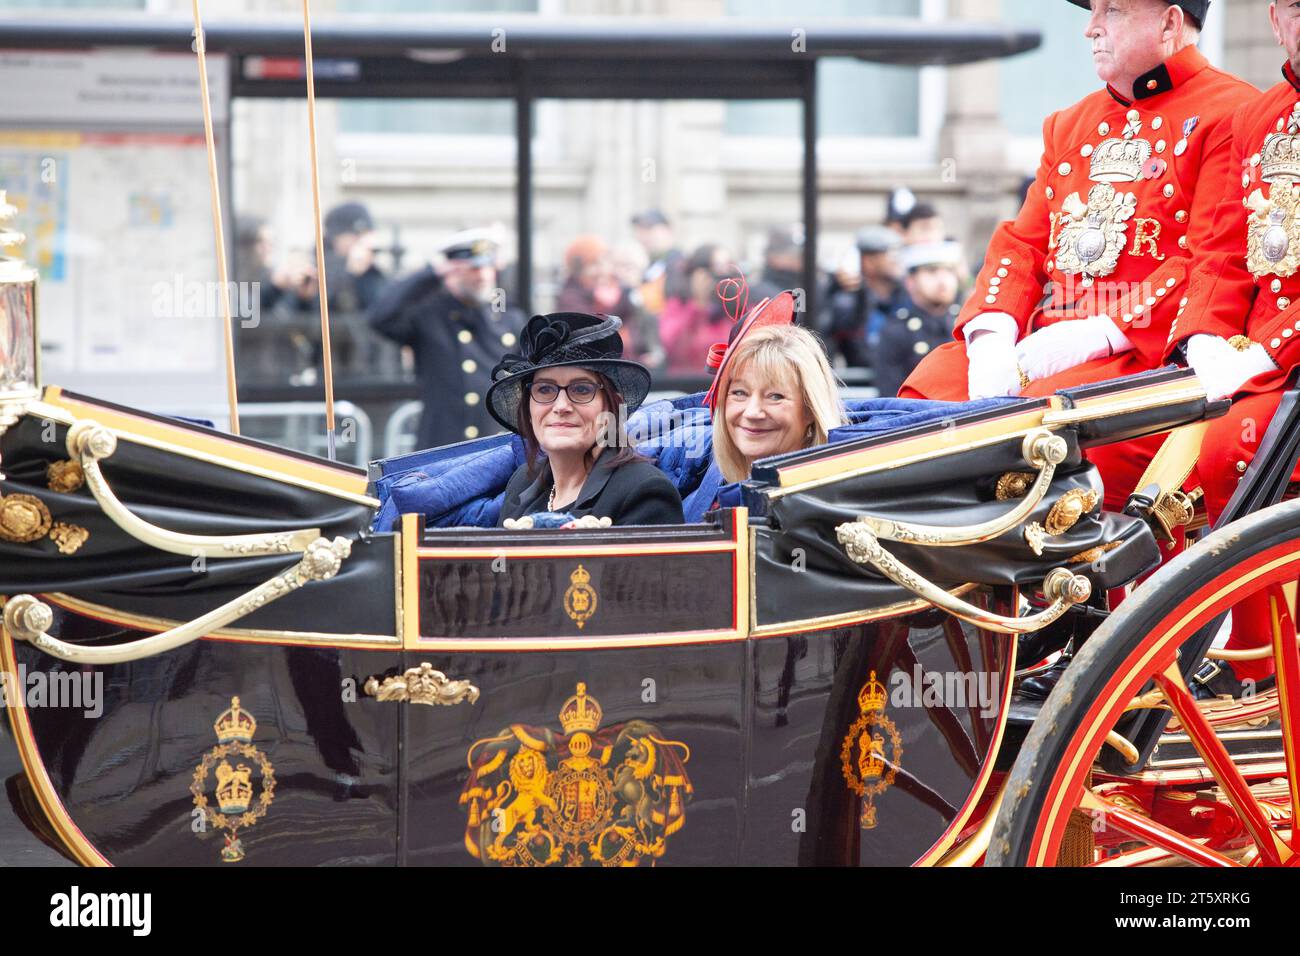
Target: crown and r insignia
(1119, 160)
(1280, 157)
(580, 712)
(235, 724)
(872, 696)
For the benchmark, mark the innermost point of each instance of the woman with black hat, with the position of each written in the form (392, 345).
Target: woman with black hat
(567, 395)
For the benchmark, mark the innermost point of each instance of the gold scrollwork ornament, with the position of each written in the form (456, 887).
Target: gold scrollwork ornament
(872, 750)
(1093, 234)
(64, 476)
(68, 538)
(1013, 484)
(234, 792)
(422, 685)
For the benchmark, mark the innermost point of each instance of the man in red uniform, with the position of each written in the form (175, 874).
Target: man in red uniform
(1083, 284)
(1241, 326)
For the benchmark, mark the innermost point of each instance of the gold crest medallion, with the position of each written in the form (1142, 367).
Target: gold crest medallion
(580, 599)
(1093, 234)
(234, 784)
(586, 797)
(23, 518)
(1273, 236)
(871, 751)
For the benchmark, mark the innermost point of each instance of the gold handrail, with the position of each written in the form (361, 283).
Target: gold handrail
(88, 442)
(1042, 450)
(1061, 587)
(29, 619)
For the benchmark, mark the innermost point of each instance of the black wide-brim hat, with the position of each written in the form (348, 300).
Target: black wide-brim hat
(565, 339)
(1194, 8)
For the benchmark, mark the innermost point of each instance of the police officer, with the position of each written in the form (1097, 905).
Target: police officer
(459, 327)
(857, 316)
(924, 315)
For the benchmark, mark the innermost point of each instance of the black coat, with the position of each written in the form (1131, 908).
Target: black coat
(634, 493)
(455, 347)
(908, 335)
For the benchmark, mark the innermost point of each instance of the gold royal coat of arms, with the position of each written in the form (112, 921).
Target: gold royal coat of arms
(871, 751)
(588, 796)
(1273, 236)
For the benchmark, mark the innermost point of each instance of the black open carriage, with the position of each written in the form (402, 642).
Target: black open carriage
(823, 674)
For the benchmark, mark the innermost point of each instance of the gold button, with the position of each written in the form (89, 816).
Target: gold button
(1182, 302)
(1181, 215)
(464, 337)
(1283, 302)
(1241, 466)
(995, 281)
(1051, 264)
(1276, 285)
(1170, 283)
(1128, 318)
(1160, 146)
(1157, 122)
(1133, 116)
(1138, 309)
(1002, 273)
(1182, 242)
(1006, 262)
(1086, 151)
(471, 398)
(1152, 84)
(920, 348)
(1064, 169)
(508, 339)
(471, 432)
(1276, 343)
(1103, 128)
(469, 366)
(1169, 190)
(1051, 193)
(914, 324)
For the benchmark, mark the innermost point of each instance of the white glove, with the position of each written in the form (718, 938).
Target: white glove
(1063, 345)
(1221, 368)
(991, 354)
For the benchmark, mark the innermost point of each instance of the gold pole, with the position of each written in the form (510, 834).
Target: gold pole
(320, 240)
(232, 395)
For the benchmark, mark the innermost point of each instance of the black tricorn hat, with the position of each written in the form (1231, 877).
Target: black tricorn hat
(1193, 8)
(565, 339)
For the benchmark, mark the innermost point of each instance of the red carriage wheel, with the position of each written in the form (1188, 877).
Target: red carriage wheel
(1220, 786)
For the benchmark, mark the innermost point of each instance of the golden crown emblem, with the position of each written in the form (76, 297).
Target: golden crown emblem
(1119, 161)
(1279, 158)
(580, 712)
(581, 577)
(872, 695)
(235, 724)
(234, 787)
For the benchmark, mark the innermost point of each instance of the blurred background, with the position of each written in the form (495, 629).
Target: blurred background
(635, 205)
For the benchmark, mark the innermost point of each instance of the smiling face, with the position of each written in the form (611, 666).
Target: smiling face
(1284, 15)
(1130, 37)
(566, 427)
(765, 416)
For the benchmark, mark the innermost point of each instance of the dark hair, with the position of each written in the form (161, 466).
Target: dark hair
(702, 258)
(533, 455)
(922, 210)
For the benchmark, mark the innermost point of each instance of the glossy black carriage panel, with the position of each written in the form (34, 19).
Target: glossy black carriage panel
(601, 757)
(868, 741)
(217, 753)
(576, 595)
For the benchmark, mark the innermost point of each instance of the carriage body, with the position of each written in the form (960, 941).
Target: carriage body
(738, 690)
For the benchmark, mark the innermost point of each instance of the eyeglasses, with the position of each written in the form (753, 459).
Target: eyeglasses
(579, 393)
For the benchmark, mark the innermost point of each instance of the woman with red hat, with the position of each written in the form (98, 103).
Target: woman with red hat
(774, 391)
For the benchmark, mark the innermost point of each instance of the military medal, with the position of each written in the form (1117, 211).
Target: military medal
(1180, 147)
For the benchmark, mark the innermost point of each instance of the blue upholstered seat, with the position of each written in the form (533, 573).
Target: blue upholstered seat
(463, 485)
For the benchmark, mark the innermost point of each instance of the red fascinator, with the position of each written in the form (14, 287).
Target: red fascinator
(774, 311)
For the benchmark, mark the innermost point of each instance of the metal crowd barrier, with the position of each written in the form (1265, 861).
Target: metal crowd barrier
(301, 427)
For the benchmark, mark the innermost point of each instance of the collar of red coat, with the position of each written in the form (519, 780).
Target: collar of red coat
(1291, 78)
(1176, 70)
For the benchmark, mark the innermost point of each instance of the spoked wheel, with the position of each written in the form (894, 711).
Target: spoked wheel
(1221, 784)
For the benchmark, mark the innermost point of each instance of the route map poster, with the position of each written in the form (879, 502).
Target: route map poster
(110, 178)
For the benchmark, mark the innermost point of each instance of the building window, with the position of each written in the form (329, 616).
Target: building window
(1052, 77)
(855, 99)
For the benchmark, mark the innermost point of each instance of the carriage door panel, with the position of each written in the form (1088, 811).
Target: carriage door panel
(582, 699)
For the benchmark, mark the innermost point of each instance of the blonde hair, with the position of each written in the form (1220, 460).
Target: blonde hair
(778, 353)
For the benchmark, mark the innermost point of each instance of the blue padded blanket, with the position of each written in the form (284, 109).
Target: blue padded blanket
(463, 485)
